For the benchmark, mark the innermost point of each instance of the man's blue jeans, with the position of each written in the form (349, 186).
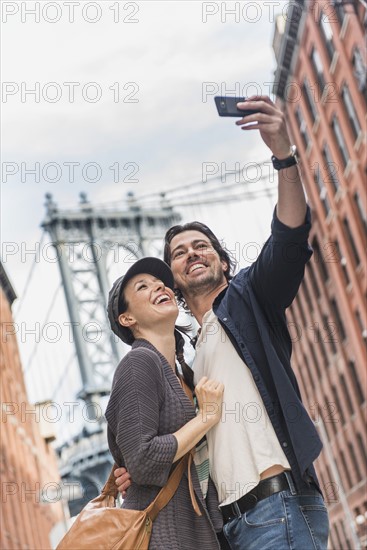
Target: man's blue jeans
(283, 521)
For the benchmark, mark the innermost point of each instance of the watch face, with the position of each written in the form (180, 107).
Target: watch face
(293, 152)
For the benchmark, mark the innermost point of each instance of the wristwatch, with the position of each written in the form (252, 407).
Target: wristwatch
(290, 160)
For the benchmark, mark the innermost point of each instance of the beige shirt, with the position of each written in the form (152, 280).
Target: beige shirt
(244, 443)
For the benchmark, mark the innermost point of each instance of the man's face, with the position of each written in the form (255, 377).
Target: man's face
(195, 264)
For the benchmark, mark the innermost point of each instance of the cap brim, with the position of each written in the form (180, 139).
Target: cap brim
(153, 266)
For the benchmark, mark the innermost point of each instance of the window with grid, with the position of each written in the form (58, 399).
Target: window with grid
(343, 262)
(340, 140)
(330, 167)
(350, 111)
(318, 69)
(351, 240)
(341, 334)
(327, 34)
(302, 127)
(309, 99)
(361, 211)
(322, 189)
(360, 71)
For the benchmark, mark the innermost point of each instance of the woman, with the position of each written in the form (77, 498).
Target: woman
(151, 420)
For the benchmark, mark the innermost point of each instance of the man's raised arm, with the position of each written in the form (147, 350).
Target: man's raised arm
(270, 122)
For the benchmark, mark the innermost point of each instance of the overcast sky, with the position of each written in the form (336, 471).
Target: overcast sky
(127, 84)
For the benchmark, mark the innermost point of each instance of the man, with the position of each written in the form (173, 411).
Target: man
(261, 455)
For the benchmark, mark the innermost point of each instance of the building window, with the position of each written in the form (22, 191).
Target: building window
(362, 213)
(302, 313)
(330, 478)
(350, 110)
(322, 189)
(340, 140)
(313, 280)
(356, 382)
(314, 360)
(361, 448)
(318, 69)
(340, 543)
(343, 263)
(347, 541)
(346, 394)
(339, 409)
(319, 260)
(306, 363)
(309, 99)
(327, 34)
(338, 6)
(319, 339)
(329, 329)
(330, 167)
(359, 70)
(346, 470)
(352, 455)
(331, 488)
(304, 386)
(340, 326)
(329, 415)
(302, 127)
(307, 294)
(350, 238)
(360, 324)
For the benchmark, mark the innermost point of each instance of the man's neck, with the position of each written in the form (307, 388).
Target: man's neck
(203, 302)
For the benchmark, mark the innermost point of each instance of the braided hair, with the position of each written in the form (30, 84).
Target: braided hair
(187, 372)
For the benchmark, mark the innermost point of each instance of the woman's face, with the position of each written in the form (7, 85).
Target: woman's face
(149, 304)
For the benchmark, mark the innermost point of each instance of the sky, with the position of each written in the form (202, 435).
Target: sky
(94, 91)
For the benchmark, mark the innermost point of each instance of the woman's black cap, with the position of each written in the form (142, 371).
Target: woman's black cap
(152, 266)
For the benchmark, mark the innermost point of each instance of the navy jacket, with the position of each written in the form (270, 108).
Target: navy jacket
(252, 312)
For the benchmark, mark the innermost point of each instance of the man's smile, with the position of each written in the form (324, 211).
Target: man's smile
(195, 267)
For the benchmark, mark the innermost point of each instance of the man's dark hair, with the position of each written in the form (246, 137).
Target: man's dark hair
(224, 254)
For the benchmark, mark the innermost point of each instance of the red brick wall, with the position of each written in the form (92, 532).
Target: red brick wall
(28, 466)
(324, 368)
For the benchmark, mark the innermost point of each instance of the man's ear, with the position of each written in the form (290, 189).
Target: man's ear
(224, 265)
(126, 320)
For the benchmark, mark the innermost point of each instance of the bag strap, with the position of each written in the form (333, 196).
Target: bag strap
(168, 491)
(110, 488)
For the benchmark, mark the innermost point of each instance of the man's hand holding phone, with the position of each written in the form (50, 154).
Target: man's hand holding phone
(259, 112)
(229, 106)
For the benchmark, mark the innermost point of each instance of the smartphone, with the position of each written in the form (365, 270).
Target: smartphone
(227, 106)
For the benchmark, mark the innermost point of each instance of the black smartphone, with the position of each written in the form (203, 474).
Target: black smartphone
(227, 106)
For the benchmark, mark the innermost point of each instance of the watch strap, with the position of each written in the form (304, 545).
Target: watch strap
(291, 160)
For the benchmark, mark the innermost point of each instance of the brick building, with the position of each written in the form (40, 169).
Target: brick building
(31, 510)
(320, 81)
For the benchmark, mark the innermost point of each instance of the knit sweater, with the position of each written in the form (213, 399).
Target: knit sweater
(147, 405)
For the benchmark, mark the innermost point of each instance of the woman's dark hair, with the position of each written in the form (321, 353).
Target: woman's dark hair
(187, 372)
(224, 254)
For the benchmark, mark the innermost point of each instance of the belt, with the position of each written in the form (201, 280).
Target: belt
(265, 488)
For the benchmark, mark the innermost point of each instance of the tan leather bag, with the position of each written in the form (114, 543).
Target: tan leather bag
(102, 526)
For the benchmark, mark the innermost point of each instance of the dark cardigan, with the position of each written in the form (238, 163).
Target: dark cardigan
(147, 405)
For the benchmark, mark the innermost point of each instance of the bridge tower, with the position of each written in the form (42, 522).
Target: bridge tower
(94, 245)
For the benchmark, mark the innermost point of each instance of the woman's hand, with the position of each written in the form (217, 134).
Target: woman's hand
(209, 394)
(123, 480)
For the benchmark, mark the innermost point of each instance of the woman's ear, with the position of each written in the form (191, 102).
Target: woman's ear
(126, 320)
